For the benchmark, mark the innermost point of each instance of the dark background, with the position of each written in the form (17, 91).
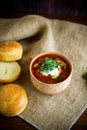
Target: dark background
(63, 7)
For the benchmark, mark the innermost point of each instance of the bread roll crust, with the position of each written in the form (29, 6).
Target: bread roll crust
(13, 99)
(9, 71)
(11, 51)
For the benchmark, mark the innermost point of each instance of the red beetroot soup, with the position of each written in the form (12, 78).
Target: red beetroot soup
(62, 66)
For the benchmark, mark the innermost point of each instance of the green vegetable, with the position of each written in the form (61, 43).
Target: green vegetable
(64, 67)
(60, 78)
(85, 76)
(49, 65)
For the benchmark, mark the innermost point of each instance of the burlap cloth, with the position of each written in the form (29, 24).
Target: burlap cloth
(38, 34)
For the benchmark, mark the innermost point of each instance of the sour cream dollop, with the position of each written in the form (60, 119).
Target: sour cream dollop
(54, 73)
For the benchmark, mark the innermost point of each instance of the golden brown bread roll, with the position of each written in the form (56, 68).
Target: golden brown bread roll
(9, 71)
(13, 99)
(11, 51)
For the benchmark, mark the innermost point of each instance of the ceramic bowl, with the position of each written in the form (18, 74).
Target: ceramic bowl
(45, 87)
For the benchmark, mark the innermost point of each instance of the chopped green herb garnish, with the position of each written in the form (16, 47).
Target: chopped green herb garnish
(85, 76)
(49, 65)
(64, 67)
(60, 78)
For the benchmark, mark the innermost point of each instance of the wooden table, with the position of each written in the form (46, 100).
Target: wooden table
(15, 123)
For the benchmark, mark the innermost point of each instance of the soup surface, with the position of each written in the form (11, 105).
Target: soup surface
(50, 68)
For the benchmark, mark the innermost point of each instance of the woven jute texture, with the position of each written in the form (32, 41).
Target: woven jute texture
(38, 34)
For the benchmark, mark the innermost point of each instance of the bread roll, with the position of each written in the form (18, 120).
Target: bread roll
(13, 99)
(9, 71)
(11, 51)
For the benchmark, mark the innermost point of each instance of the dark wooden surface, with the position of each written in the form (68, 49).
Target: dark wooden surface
(15, 123)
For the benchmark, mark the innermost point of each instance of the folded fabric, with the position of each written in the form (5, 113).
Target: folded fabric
(38, 34)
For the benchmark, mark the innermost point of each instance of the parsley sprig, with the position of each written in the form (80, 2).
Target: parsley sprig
(49, 65)
(84, 76)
